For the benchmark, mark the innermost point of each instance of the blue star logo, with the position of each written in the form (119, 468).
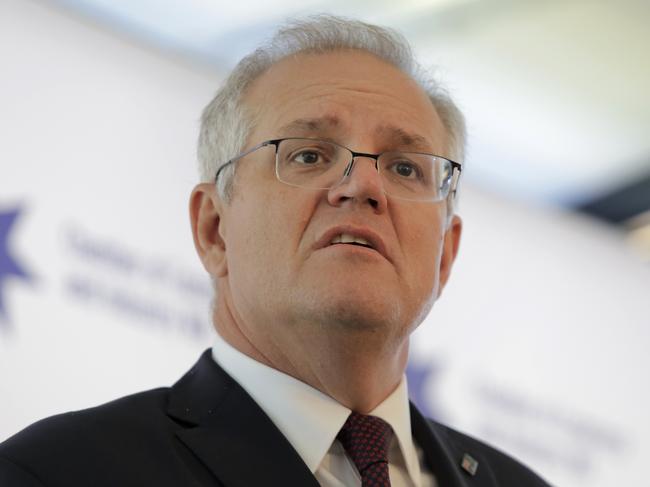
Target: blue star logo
(8, 265)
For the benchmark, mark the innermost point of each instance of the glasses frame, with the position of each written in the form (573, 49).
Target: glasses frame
(457, 168)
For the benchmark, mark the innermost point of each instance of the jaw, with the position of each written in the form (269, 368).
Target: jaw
(358, 369)
(347, 357)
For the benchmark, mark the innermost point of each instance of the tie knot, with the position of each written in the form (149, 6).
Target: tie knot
(366, 440)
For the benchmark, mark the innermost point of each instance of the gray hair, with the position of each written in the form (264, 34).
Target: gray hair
(226, 122)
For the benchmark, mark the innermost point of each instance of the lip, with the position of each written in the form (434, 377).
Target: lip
(372, 237)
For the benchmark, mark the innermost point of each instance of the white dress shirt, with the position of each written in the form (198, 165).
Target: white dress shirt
(310, 420)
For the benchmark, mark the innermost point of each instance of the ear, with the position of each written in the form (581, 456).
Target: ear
(451, 242)
(206, 218)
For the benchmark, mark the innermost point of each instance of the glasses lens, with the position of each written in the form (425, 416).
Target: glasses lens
(311, 163)
(318, 164)
(415, 176)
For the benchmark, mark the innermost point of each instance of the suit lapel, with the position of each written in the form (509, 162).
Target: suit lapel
(224, 427)
(229, 432)
(444, 456)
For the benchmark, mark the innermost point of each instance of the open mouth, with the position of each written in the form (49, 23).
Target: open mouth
(348, 239)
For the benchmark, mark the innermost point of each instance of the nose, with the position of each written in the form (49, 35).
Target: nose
(361, 184)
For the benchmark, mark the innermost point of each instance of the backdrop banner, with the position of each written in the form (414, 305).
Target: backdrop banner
(538, 345)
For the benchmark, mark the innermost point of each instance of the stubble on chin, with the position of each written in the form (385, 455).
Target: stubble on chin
(349, 313)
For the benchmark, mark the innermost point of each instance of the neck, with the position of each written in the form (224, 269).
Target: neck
(357, 368)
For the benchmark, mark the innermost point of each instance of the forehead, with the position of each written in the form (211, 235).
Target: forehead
(348, 95)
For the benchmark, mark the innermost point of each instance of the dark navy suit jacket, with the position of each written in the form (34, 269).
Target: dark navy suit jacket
(207, 431)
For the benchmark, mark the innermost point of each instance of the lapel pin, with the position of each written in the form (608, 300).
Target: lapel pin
(469, 464)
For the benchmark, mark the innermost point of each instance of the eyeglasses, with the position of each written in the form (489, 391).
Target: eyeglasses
(320, 164)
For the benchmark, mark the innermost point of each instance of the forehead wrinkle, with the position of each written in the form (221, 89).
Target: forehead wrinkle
(310, 125)
(331, 123)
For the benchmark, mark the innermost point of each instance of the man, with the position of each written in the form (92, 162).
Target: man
(329, 234)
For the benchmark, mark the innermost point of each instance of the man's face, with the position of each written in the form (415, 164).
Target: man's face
(283, 273)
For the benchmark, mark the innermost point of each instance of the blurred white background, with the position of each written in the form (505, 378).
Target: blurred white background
(539, 343)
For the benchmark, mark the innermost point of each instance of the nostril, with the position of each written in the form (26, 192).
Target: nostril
(374, 203)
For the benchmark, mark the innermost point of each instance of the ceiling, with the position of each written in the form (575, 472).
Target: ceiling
(555, 92)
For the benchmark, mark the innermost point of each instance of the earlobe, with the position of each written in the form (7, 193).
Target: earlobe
(206, 218)
(450, 245)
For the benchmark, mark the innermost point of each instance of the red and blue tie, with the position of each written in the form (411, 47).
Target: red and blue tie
(366, 440)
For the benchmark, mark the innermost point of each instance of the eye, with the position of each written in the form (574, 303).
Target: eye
(406, 169)
(307, 157)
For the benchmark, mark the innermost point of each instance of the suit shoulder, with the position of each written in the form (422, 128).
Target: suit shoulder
(14, 475)
(109, 424)
(506, 469)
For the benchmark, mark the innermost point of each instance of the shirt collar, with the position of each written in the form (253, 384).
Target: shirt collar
(309, 419)
(396, 412)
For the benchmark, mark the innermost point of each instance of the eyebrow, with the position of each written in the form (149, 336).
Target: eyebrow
(397, 137)
(394, 137)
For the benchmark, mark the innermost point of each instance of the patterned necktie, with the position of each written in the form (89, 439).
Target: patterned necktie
(366, 440)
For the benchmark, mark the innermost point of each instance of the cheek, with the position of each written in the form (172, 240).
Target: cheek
(266, 233)
(426, 260)
(422, 250)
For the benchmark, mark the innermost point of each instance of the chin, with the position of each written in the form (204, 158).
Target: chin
(353, 308)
